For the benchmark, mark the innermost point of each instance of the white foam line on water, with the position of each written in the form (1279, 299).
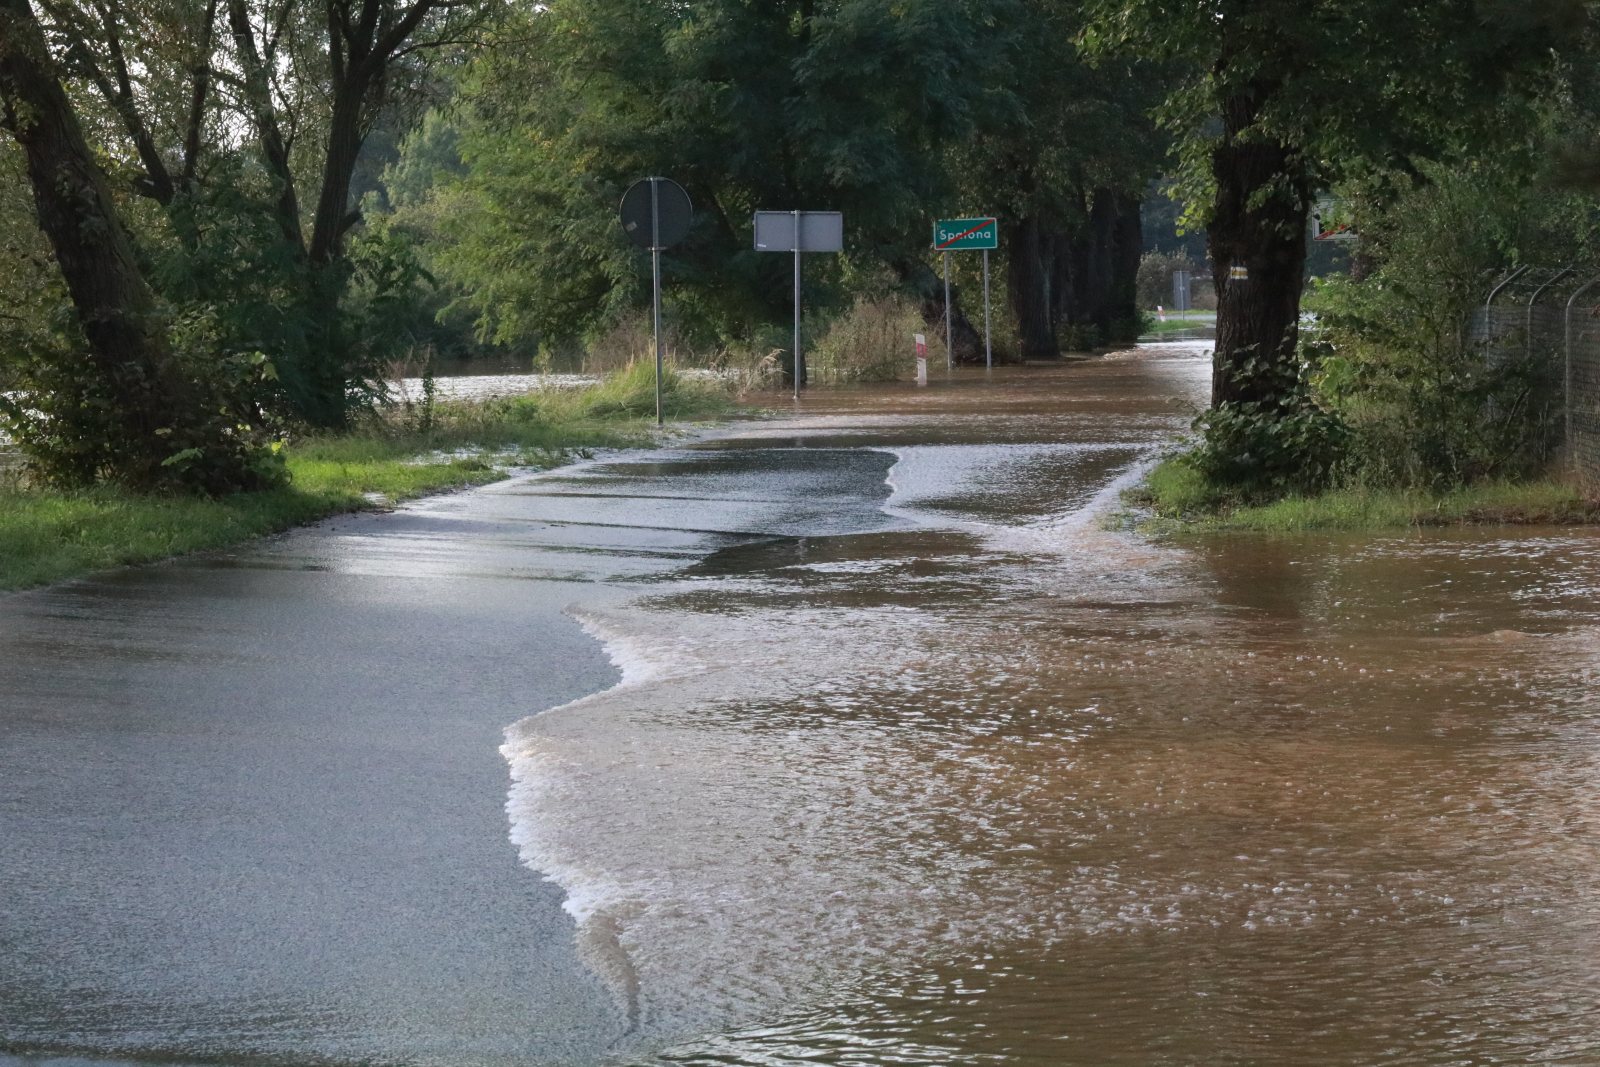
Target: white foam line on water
(1108, 495)
(548, 774)
(639, 663)
(590, 897)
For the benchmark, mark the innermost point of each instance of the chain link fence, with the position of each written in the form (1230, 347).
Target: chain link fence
(1550, 317)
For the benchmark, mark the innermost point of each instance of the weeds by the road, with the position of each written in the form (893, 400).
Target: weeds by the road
(1179, 323)
(1175, 495)
(873, 342)
(48, 535)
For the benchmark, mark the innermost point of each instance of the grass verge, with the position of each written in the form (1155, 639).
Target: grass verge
(1196, 320)
(1174, 496)
(48, 535)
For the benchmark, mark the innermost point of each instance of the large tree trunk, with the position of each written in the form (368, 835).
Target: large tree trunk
(126, 338)
(1028, 288)
(966, 341)
(346, 134)
(1092, 280)
(257, 92)
(1258, 223)
(1120, 314)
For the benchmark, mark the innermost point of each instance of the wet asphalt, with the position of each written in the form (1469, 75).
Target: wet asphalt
(252, 804)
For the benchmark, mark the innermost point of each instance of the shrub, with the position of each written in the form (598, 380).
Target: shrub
(1426, 406)
(1262, 452)
(72, 423)
(872, 342)
(622, 345)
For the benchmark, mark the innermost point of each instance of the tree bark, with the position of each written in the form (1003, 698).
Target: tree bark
(1028, 289)
(126, 338)
(966, 341)
(346, 134)
(1258, 223)
(1121, 311)
(257, 86)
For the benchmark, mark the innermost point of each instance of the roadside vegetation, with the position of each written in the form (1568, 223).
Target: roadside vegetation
(222, 224)
(1175, 497)
(47, 534)
(1393, 412)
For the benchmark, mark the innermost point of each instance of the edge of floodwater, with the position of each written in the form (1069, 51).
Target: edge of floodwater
(377, 503)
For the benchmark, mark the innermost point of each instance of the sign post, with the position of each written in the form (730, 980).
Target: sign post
(656, 214)
(949, 345)
(959, 235)
(799, 231)
(799, 354)
(988, 352)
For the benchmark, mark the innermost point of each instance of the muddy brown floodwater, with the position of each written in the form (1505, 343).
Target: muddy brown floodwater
(978, 780)
(912, 760)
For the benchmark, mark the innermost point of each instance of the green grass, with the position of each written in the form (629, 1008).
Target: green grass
(48, 535)
(1196, 320)
(1179, 498)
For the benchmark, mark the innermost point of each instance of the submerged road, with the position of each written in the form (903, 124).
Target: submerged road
(253, 803)
(846, 736)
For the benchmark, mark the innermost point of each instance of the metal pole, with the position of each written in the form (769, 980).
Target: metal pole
(1527, 327)
(988, 352)
(1566, 375)
(799, 360)
(949, 348)
(655, 273)
(1507, 280)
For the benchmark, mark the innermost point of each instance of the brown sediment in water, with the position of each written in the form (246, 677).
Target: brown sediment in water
(988, 781)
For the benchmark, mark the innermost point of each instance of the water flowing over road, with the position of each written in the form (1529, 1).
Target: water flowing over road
(853, 736)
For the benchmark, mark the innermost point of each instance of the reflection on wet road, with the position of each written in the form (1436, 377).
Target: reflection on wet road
(910, 761)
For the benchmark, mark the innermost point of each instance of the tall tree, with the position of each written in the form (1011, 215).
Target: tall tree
(840, 104)
(183, 85)
(156, 425)
(1061, 155)
(1276, 99)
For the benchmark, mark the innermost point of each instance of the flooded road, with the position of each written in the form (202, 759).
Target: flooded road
(907, 759)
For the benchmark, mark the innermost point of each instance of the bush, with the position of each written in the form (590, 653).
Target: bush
(631, 393)
(78, 427)
(1262, 452)
(1426, 407)
(872, 342)
(1080, 338)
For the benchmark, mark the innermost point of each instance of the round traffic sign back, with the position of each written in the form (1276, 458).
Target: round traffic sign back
(656, 213)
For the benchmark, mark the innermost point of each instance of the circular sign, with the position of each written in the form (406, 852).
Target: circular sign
(656, 213)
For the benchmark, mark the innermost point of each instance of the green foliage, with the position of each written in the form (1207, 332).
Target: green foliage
(1261, 450)
(1177, 493)
(71, 424)
(748, 105)
(47, 533)
(1271, 100)
(631, 393)
(1353, 86)
(1426, 405)
(328, 334)
(872, 342)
